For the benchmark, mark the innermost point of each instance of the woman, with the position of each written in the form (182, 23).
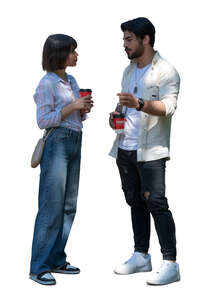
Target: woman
(59, 106)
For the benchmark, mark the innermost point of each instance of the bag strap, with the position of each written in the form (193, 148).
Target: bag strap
(45, 136)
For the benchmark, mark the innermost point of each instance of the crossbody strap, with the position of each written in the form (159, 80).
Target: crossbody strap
(45, 136)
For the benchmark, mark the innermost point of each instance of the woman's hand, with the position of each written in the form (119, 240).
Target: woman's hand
(84, 103)
(86, 110)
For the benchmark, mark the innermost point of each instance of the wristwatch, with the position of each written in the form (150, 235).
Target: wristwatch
(141, 104)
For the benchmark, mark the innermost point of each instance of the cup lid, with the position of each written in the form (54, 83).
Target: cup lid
(85, 90)
(116, 116)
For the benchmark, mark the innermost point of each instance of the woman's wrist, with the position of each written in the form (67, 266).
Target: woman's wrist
(73, 106)
(67, 110)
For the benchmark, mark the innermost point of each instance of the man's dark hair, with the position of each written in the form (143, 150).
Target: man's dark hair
(56, 50)
(140, 27)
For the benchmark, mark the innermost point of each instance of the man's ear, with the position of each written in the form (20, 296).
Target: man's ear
(146, 39)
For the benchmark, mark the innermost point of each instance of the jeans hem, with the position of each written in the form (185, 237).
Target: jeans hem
(46, 271)
(60, 266)
(141, 250)
(169, 258)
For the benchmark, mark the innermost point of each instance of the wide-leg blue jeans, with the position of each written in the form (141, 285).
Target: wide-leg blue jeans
(58, 190)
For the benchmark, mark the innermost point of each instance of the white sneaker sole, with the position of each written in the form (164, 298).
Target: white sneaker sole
(165, 283)
(137, 270)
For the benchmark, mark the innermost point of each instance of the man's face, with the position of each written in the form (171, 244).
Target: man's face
(133, 45)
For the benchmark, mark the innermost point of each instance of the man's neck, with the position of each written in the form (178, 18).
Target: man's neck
(146, 58)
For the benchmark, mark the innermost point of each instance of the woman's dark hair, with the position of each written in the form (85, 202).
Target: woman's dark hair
(140, 27)
(56, 50)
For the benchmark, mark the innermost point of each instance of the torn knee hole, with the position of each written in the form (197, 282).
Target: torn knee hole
(146, 195)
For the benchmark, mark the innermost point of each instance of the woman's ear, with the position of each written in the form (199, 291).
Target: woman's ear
(68, 60)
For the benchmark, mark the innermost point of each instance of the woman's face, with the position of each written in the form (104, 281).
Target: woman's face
(72, 59)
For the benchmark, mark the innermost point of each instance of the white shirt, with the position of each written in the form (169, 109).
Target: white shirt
(162, 83)
(129, 140)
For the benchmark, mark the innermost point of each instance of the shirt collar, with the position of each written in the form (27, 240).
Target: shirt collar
(57, 78)
(155, 58)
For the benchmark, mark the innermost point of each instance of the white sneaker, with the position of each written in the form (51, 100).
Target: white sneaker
(139, 262)
(167, 273)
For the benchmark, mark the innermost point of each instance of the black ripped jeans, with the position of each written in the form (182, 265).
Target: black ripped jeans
(143, 184)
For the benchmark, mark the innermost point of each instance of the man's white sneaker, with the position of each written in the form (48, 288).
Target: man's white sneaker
(167, 273)
(139, 262)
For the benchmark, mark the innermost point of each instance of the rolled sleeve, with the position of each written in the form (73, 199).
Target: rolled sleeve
(169, 90)
(84, 117)
(47, 115)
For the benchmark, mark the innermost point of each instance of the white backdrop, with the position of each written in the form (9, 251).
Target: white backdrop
(101, 236)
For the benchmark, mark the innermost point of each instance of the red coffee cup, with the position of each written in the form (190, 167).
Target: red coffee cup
(119, 123)
(85, 92)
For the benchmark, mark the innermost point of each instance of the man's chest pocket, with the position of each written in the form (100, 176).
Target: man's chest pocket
(153, 93)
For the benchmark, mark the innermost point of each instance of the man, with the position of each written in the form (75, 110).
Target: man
(150, 87)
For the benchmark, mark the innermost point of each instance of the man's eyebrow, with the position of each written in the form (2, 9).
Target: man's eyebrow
(127, 37)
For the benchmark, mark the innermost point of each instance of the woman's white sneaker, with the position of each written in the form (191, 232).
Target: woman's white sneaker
(167, 273)
(138, 262)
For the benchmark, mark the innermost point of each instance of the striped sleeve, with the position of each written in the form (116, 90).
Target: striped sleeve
(47, 115)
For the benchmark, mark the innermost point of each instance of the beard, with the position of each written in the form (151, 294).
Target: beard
(138, 53)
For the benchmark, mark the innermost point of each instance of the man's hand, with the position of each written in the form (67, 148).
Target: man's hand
(128, 100)
(111, 119)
